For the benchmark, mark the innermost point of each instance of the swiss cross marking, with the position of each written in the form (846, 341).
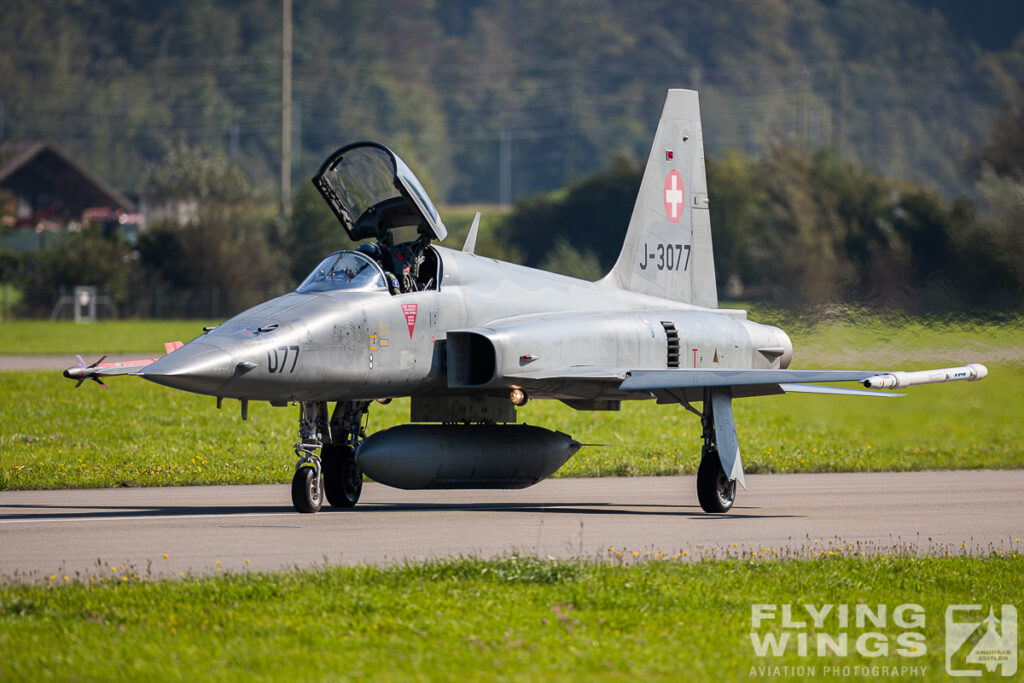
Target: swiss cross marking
(674, 196)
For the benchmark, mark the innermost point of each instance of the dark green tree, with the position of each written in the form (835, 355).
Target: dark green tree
(590, 215)
(215, 236)
(313, 233)
(84, 258)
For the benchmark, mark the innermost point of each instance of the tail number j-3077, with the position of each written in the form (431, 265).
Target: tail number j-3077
(666, 257)
(277, 359)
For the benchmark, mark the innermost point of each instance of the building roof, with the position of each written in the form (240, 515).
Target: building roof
(40, 163)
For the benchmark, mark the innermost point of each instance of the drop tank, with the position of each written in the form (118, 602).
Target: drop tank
(464, 456)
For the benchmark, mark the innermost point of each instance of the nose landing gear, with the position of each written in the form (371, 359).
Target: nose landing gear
(307, 486)
(333, 473)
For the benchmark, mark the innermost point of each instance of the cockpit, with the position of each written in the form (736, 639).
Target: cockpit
(376, 197)
(344, 270)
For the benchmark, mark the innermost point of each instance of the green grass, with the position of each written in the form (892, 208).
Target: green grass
(140, 434)
(40, 337)
(513, 618)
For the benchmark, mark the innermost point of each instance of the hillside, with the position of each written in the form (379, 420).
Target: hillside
(549, 91)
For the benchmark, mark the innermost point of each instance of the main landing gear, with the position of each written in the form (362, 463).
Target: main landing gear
(715, 491)
(334, 473)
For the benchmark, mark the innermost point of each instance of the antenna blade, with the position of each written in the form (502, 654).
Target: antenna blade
(470, 246)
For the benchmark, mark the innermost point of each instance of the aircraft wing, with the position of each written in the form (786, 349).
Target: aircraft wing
(749, 382)
(671, 384)
(796, 380)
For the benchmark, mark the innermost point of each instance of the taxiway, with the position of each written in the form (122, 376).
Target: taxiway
(239, 528)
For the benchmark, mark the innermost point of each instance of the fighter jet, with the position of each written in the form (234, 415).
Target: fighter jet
(470, 338)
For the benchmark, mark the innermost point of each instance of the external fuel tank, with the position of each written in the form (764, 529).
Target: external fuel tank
(464, 456)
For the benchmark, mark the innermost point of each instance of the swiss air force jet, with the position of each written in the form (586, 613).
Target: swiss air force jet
(470, 338)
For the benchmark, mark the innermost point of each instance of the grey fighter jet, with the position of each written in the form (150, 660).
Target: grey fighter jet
(470, 338)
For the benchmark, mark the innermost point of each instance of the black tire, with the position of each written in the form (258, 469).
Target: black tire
(307, 490)
(343, 480)
(714, 490)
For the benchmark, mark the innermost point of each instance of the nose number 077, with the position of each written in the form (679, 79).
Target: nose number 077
(277, 359)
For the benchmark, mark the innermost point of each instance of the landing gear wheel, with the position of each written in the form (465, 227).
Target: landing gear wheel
(343, 480)
(307, 490)
(714, 490)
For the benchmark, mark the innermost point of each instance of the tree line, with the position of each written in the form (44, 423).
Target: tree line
(793, 227)
(803, 228)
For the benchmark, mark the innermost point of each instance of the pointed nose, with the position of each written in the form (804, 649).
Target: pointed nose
(197, 367)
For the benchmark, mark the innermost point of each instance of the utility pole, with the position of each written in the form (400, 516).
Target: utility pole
(505, 168)
(838, 100)
(286, 110)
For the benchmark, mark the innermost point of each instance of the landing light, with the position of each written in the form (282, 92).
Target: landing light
(518, 397)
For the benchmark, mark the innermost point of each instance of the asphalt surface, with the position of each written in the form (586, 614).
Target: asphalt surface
(28, 362)
(37, 362)
(243, 528)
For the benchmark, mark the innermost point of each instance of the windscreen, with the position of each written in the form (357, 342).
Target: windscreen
(343, 270)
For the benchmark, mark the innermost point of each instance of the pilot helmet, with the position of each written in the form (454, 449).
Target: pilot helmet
(370, 249)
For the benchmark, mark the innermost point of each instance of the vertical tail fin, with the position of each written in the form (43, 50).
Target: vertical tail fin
(667, 250)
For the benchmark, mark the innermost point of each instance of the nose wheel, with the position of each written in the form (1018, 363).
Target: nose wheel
(307, 488)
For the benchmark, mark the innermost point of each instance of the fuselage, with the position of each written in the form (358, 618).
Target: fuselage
(367, 344)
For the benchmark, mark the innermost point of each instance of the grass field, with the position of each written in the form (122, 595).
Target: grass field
(512, 618)
(39, 337)
(139, 434)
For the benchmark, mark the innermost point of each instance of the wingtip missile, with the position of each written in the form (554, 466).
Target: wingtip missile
(82, 372)
(897, 380)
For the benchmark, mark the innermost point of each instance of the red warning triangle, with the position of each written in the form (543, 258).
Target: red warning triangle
(410, 316)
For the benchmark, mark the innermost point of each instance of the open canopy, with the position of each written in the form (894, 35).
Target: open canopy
(372, 191)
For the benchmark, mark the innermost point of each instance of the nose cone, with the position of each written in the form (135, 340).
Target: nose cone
(197, 367)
